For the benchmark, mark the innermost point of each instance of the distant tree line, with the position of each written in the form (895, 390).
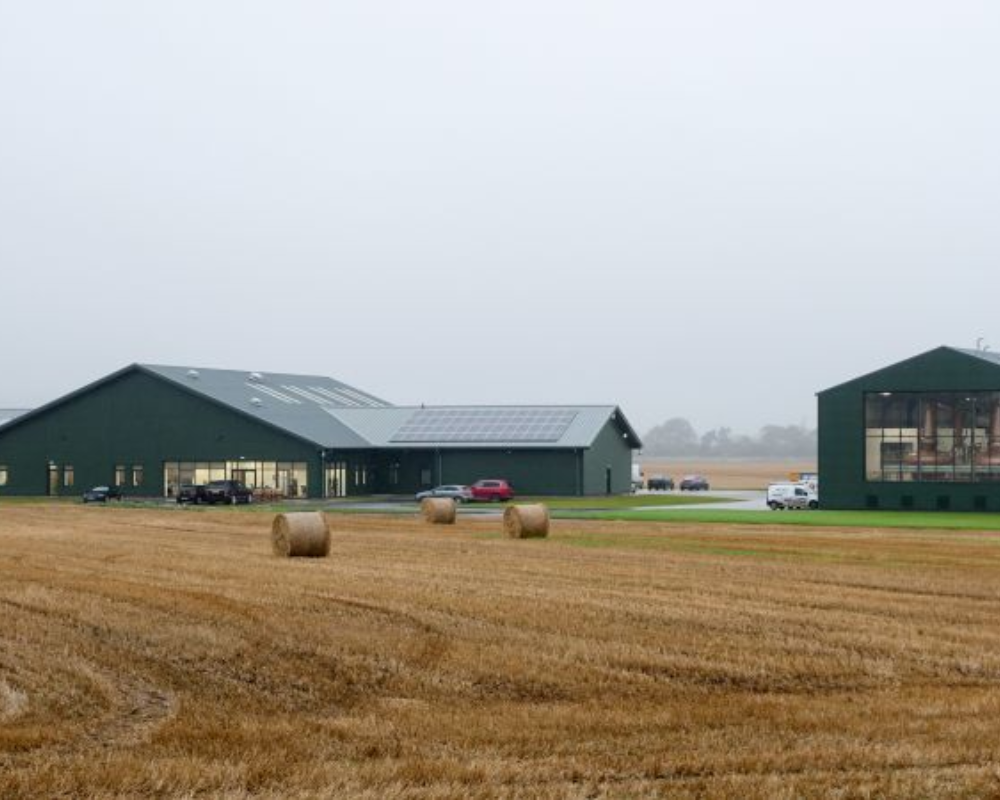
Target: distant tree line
(677, 437)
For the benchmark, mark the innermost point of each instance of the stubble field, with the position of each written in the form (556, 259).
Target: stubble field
(727, 474)
(168, 653)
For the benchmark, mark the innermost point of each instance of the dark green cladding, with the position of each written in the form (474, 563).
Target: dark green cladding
(137, 418)
(842, 434)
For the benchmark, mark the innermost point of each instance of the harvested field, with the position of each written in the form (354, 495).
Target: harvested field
(169, 653)
(725, 474)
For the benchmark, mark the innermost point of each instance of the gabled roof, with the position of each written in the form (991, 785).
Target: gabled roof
(7, 414)
(959, 359)
(487, 427)
(334, 415)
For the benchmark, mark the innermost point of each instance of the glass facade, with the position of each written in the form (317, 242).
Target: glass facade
(267, 478)
(936, 437)
(336, 479)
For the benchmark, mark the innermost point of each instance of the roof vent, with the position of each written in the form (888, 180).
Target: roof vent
(256, 402)
(192, 374)
(256, 376)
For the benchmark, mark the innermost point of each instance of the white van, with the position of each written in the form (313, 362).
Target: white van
(638, 479)
(791, 495)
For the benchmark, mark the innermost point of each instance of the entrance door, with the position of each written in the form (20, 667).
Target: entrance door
(248, 477)
(607, 480)
(53, 484)
(336, 479)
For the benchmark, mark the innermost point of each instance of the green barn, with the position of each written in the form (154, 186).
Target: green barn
(921, 434)
(148, 429)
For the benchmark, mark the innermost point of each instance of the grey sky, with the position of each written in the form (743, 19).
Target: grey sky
(707, 209)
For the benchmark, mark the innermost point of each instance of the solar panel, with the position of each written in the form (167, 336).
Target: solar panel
(486, 425)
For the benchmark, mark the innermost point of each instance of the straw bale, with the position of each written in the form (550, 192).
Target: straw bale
(526, 521)
(438, 510)
(304, 533)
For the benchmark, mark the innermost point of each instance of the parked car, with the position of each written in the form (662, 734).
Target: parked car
(791, 495)
(660, 483)
(492, 490)
(101, 494)
(694, 483)
(232, 492)
(191, 493)
(458, 493)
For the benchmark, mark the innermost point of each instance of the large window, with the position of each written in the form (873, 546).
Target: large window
(932, 436)
(68, 476)
(3, 475)
(266, 478)
(336, 479)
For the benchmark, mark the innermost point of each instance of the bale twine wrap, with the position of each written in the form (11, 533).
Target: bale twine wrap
(305, 533)
(438, 510)
(527, 521)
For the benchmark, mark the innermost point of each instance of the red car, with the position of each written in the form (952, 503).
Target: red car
(492, 490)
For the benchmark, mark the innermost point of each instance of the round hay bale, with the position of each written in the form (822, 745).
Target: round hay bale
(526, 522)
(305, 533)
(438, 510)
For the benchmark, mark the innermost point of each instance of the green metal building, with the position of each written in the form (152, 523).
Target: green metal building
(148, 429)
(920, 434)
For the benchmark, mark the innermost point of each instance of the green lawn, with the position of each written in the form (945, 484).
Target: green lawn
(848, 519)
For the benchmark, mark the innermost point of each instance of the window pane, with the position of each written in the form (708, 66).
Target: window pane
(932, 436)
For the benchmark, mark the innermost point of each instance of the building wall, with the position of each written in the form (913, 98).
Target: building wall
(842, 435)
(545, 472)
(609, 451)
(532, 471)
(136, 419)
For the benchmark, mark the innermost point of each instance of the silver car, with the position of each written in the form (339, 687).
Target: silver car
(458, 493)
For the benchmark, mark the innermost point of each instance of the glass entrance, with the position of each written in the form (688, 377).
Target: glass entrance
(53, 484)
(248, 477)
(335, 482)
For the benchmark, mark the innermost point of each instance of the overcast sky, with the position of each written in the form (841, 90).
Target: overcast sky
(706, 209)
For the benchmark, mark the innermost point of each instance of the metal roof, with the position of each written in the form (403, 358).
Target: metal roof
(985, 355)
(294, 403)
(334, 415)
(380, 427)
(7, 414)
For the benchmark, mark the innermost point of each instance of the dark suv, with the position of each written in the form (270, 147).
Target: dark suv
(101, 494)
(232, 492)
(660, 483)
(191, 493)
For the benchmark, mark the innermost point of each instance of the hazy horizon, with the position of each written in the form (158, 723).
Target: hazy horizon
(709, 211)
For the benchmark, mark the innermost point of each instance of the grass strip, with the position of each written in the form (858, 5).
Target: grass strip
(939, 520)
